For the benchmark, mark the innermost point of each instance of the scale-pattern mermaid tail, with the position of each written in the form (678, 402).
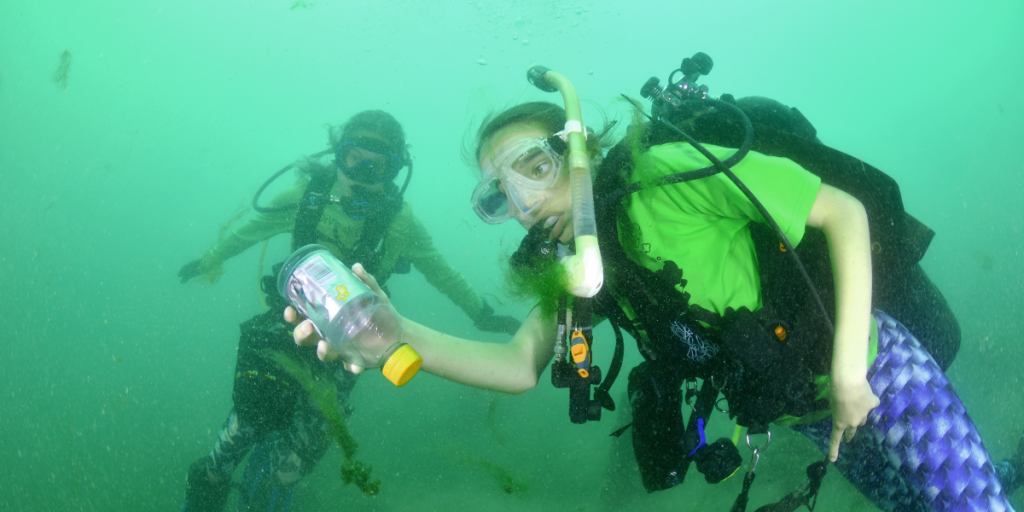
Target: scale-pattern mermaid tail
(919, 449)
(923, 421)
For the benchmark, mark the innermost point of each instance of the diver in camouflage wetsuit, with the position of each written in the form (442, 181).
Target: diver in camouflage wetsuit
(360, 217)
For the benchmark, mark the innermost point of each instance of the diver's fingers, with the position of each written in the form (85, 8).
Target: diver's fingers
(850, 432)
(833, 447)
(292, 316)
(368, 278)
(324, 353)
(305, 335)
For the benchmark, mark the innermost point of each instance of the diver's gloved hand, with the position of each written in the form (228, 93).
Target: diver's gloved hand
(486, 320)
(190, 270)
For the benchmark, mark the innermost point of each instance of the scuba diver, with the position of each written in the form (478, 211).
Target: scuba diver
(353, 207)
(697, 260)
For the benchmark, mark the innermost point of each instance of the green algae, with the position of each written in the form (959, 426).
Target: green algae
(507, 481)
(545, 281)
(325, 397)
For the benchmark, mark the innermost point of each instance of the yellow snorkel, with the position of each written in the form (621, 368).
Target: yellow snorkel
(586, 272)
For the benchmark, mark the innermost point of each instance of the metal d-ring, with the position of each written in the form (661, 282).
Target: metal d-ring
(756, 456)
(720, 409)
(691, 385)
(760, 448)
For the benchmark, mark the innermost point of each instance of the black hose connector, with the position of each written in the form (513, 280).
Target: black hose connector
(536, 77)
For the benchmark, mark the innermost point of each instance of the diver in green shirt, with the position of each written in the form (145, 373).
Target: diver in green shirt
(353, 207)
(686, 272)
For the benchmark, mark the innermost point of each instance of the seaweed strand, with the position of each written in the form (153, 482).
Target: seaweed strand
(325, 397)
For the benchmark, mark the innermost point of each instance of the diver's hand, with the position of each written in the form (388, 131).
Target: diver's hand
(370, 281)
(851, 401)
(305, 334)
(190, 270)
(487, 321)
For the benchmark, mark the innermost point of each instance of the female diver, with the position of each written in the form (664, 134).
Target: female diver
(877, 380)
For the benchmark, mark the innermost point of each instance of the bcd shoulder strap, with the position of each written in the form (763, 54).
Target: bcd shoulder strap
(369, 249)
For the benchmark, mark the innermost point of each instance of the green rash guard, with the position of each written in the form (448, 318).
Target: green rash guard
(702, 225)
(406, 239)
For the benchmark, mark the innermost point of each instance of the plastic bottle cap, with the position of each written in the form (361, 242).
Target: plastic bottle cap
(402, 365)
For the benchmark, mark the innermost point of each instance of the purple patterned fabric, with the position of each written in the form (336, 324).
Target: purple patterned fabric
(919, 449)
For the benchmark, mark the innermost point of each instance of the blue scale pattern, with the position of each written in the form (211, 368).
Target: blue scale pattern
(919, 451)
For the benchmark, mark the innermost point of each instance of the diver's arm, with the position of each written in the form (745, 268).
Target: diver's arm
(261, 227)
(512, 367)
(257, 229)
(842, 219)
(417, 246)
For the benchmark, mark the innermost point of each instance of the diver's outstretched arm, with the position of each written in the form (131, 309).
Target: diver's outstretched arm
(512, 367)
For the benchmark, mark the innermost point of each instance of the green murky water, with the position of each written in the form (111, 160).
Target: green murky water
(130, 132)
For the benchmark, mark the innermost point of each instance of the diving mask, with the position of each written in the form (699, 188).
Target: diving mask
(375, 160)
(517, 181)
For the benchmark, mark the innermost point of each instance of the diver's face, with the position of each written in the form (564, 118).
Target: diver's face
(553, 206)
(356, 156)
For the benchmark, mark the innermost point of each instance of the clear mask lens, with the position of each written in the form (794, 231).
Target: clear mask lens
(490, 202)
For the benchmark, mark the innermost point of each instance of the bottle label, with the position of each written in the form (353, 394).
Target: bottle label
(326, 286)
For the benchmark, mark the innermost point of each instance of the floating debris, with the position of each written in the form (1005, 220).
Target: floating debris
(492, 422)
(984, 260)
(60, 76)
(482, 62)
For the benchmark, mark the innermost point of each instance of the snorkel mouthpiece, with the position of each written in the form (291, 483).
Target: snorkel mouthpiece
(585, 269)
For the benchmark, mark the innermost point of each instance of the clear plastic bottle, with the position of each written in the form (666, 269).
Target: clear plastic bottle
(353, 319)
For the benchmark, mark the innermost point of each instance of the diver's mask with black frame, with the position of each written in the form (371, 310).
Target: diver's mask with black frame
(519, 180)
(368, 160)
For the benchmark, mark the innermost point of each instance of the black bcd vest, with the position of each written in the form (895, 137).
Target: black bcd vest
(761, 376)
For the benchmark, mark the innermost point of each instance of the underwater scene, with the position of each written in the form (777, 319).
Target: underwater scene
(134, 136)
